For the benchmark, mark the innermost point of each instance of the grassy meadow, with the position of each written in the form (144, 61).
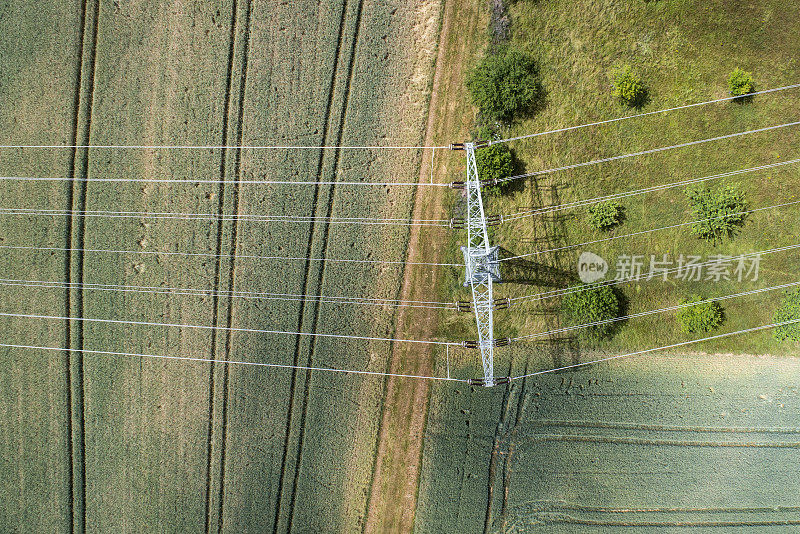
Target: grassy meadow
(105, 443)
(700, 440)
(684, 52)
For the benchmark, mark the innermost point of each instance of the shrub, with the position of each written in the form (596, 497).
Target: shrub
(605, 215)
(589, 304)
(705, 316)
(504, 85)
(629, 87)
(719, 212)
(494, 163)
(788, 311)
(740, 83)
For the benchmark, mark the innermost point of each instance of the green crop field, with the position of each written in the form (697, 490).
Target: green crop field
(126, 444)
(685, 443)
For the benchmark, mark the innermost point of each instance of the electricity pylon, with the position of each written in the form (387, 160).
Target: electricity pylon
(481, 266)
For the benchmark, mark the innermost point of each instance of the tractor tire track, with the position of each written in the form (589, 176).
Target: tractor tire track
(326, 233)
(215, 523)
(74, 262)
(217, 267)
(496, 442)
(232, 259)
(306, 277)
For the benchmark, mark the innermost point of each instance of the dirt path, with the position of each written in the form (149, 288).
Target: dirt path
(392, 502)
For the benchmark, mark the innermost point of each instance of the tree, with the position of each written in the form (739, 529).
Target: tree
(704, 316)
(719, 213)
(629, 87)
(788, 311)
(494, 162)
(586, 303)
(740, 83)
(605, 215)
(504, 85)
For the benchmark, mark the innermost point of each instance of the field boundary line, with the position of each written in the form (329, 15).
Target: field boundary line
(674, 345)
(381, 511)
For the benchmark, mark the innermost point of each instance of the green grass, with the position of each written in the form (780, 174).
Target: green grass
(684, 52)
(571, 451)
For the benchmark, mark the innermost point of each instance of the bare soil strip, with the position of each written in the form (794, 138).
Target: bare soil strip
(392, 501)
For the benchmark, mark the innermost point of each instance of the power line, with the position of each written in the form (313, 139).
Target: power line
(645, 152)
(674, 345)
(250, 295)
(224, 328)
(213, 255)
(561, 292)
(650, 312)
(204, 181)
(106, 214)
(231, 147)
(237, 362)
(649, 231)
(624, 194)
(686, 106)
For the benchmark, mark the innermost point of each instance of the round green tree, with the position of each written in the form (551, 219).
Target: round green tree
(788, 311)
(587, 303)
(740, 83)
(629, 87)
(605, 215)
(719, 213)
(495, 163)
(704, 316)
(504, 85)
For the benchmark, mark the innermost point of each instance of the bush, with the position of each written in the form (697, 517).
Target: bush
(720, 212)
(740, 83)
(705, 316)
(504, 85)
(788, 311)
(494, 162)
(629, 87)
(589, 304)
(605, 215)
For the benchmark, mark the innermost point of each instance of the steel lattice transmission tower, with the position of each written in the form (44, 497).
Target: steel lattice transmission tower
(480, 259)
